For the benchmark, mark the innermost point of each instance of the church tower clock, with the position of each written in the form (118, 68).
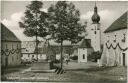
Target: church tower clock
(95, 31)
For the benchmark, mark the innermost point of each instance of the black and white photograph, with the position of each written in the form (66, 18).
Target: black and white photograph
(64, 41)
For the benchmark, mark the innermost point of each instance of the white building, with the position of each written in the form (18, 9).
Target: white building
(10, 48)
(115, 46)
(84, 50)
(29, 51)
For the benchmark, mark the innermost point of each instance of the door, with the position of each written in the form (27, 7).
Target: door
(123, 59)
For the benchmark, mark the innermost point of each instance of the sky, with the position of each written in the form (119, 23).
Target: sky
(109, 11)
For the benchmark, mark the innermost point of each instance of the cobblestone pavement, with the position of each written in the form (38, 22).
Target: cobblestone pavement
(76, 72)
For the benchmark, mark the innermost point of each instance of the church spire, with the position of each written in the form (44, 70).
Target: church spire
(95, 17)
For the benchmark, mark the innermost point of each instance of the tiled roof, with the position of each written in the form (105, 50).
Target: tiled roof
(120, 23)
(85, 43)
(7, 35)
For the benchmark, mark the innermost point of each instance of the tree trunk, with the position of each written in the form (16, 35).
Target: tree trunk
(36, 47)
(61, 54)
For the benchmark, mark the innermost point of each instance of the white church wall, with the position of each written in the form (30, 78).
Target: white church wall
(94, 33)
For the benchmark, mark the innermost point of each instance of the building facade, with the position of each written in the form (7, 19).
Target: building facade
(115, 46)
(84, 50)
(29, 52)
(10, 48)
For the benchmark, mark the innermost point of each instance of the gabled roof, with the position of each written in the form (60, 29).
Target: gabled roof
(7, 35)
(85, 43)
(120, 23)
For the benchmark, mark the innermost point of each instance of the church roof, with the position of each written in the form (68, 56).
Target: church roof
(95, 17)
(85, 43)
(7, 35)
(120, 23)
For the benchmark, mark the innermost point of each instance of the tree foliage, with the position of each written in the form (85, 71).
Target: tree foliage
(34, 22)
(64, 22)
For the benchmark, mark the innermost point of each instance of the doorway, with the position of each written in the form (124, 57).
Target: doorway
(123, 59)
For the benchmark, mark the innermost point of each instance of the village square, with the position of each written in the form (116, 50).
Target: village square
(64, 41)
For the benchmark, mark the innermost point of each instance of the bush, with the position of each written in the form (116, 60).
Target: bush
(74, 57)
(56, 61)
(94, 56)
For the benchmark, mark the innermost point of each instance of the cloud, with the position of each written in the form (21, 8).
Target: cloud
(106, 16)
(12, 25)
(13, 21)
(87, 15)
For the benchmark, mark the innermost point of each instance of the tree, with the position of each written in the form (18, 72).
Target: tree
(64, 23)
(34, 22)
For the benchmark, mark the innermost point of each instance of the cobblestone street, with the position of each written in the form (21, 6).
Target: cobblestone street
(75, 72)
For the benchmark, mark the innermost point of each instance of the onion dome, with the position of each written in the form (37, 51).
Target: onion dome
(95, 17)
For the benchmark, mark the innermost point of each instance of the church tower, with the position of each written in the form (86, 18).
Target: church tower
(95, 30)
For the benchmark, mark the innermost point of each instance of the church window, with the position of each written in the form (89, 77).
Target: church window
(83, 56)
(94, 32)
